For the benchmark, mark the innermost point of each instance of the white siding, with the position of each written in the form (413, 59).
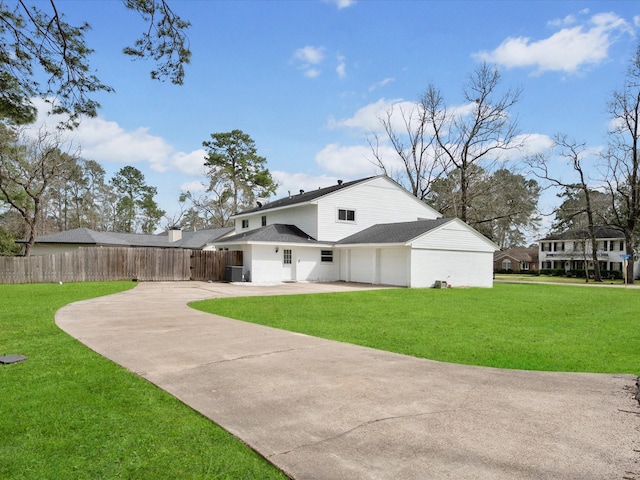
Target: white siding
(362, 265)
(309, 268)
(377, 201)
(455, 236)
(394, 266)
(265, 264)
(458, 269)
(303, 216)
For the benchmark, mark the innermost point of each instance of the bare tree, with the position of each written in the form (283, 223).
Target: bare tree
(420, 163)
(573, 153)
(622, 159)
(478, 135)
(27, 168)
(437, 140)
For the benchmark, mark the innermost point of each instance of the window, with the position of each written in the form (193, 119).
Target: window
(506, 264)
(525, 266)
(245, 223)
(264, 220)
(621, 246)
(346, 215)
(326, 256)
(286, 258)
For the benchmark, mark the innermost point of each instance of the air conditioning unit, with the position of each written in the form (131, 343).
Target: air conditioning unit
(440, 284)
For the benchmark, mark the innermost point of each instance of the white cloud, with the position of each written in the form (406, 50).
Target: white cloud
(312, 72)
(195, 186)
(560, 22)
(341, 3)
(349, 161)
(381, 83)
(367, 118)
(191, 163)
(567, 50)
(341, 69)
(308, 58)
(107, 142)
(310, 55)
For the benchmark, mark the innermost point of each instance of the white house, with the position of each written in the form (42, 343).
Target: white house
(370, 230)
(571, 250)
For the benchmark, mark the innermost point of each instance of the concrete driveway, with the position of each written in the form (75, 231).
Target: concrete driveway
(325, 410)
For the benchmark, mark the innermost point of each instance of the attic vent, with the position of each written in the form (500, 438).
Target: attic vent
(339, 182)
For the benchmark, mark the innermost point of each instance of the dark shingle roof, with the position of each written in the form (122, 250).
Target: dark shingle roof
(199, 238)
(394, 232)
(86, 236)
(304, 197)
(601, 232)
(272, 233)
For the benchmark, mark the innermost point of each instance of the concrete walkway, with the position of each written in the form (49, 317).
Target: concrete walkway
(326, 410)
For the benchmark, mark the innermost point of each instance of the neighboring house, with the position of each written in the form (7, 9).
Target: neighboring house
(370, 230)
(516, 259)
(83, 237)
(570, 250)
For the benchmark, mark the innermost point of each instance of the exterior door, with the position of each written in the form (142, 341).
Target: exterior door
(287, 265)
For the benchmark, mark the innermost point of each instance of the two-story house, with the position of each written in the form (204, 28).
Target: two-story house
(571, 250)
(370, 230)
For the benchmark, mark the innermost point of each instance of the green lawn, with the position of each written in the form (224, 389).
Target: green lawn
(68, 413)
(532, 327)
(515, 277)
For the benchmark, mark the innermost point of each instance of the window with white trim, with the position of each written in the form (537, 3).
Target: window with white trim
(286, 256)
(326, 256)
(264, 220)
(245, 223)
(345, 215)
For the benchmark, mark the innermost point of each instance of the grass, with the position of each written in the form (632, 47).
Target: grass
(67, 412)
(514, 277)
(530, 327)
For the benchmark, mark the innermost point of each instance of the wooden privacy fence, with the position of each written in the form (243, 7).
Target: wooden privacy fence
(119, 263)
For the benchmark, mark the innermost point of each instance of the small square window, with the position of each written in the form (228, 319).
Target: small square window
(346, 215)
(326, 256)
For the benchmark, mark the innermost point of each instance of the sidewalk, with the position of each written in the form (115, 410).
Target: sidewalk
(325, 410)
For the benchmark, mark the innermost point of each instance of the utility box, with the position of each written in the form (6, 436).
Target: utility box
(232, 274)
(440, 284)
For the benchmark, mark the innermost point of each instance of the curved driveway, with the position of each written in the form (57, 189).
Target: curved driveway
(325, 410)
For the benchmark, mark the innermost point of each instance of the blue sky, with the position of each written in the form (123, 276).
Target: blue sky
(308, 79)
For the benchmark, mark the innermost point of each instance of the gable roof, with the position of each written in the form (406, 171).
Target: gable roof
(276, 232)
(86, 236)
(402, 232)
(301, 197)
(518, 254)
(601, 231)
